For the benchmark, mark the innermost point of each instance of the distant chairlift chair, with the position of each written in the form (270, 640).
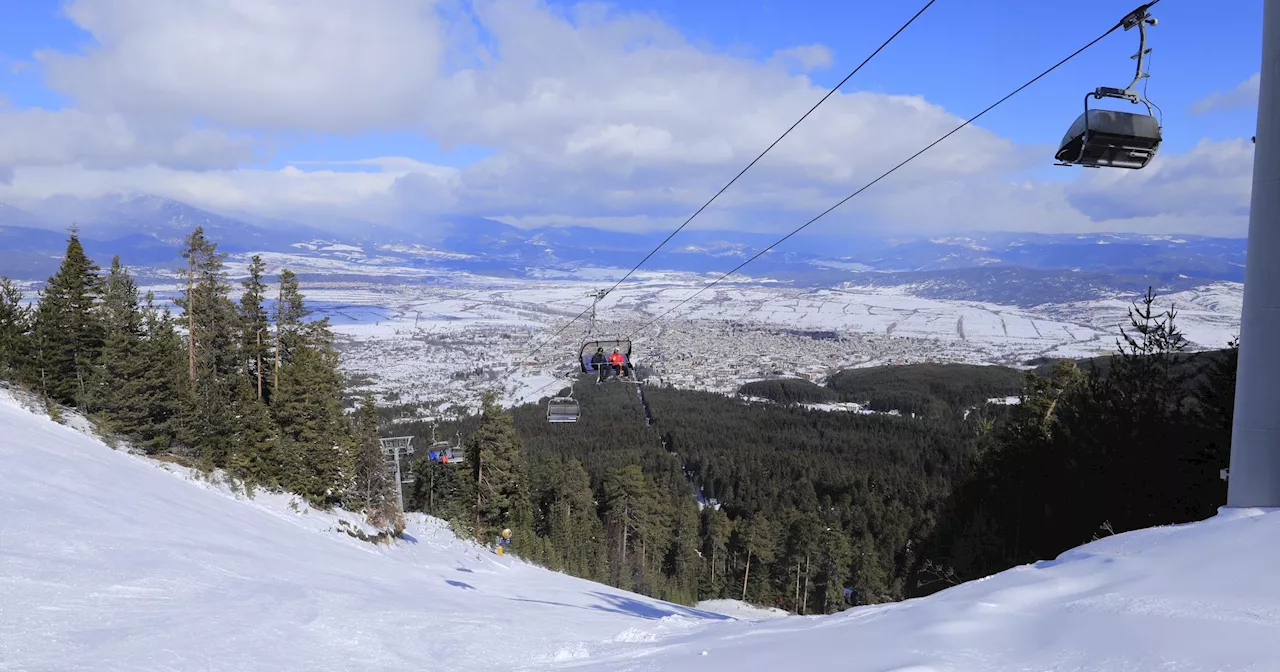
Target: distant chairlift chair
(563, 409)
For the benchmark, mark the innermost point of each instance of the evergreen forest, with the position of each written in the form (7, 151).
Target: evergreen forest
(226, 384)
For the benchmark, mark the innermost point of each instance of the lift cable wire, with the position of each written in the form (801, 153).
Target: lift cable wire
(774, 143)
(889, 172)
(655, 250)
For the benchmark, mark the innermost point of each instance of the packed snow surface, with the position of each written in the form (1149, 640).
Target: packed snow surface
(110, 561)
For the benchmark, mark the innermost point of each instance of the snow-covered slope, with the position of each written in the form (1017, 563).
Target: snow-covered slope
(110, 561)
(1202, 596)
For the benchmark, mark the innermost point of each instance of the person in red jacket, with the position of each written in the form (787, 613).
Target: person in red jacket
(618, 363)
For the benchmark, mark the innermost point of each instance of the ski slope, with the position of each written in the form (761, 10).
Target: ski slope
(110, 561)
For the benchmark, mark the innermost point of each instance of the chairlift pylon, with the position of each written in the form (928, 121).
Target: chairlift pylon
(1110, 138)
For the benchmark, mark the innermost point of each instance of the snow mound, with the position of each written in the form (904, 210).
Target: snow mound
(741, 610)
(1200, 596)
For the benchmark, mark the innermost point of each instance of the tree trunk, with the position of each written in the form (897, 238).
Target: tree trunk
(191, 319)
(259, 365)
(275, 384)
(796, 601)
(624, 542)
(479, 478)
(745, 574)
(805, 604)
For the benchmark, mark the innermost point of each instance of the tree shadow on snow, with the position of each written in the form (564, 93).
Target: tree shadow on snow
(460, 584)
(644, 609)
(408, 537)
(620, 604)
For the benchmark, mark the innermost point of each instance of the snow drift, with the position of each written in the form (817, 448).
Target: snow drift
(109, 561)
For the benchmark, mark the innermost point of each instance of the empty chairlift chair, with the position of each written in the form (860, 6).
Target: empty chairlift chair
(562, 409)
(1110, 138)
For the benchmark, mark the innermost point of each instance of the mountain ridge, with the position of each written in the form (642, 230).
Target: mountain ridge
(146, 229)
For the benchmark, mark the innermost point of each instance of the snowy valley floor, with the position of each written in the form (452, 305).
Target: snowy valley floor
(110, 561)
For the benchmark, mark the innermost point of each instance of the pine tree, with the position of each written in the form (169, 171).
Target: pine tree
(757, 539)
(212, 358)
(1216, 391)
(165, 391)
(499, 471)
(308, 409)
(566, 516)
(66, 333)
(117, 389)
(798, 547)
(290, 311)
(257, 452)
(625, 491)
(255, 338)
(374, 491)
(681, 562)
(15, 325)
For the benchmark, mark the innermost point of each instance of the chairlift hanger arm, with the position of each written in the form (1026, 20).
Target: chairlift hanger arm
(1139, 18)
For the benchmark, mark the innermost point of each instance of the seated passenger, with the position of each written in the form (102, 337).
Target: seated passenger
(597, 364)
(618, 363)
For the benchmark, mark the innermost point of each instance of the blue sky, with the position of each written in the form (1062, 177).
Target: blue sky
(960, 55)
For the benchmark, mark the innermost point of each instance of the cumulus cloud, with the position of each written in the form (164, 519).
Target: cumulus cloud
(44, 137)
(1245, 94)
(593, 116)
(324, 65)
(1214, 178)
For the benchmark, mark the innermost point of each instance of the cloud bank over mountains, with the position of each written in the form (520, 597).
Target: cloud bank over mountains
(587, 116)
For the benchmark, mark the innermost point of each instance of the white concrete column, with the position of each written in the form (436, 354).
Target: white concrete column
(1254, 477)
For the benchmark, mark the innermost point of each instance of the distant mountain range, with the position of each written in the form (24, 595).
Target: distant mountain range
(147, 231)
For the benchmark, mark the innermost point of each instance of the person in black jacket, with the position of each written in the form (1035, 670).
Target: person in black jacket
(597, 363)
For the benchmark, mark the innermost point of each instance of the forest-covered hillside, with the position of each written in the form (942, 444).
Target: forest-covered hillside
(893, 506)
(926, 389)
(704, 495)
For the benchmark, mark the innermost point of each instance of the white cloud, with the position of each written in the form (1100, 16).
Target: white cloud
(287, 192)
(807, 57)
(1245, 94)
(325, 65)
(1213, 180)
(592, 117)
(43, 137)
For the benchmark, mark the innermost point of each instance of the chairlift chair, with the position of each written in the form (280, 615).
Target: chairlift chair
(589, 348)
(439, 449)
(1111, 138)
(562, 409)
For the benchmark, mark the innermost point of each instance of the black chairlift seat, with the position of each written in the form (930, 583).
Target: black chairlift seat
(589, 349)
(1109, 138)
(562, 409)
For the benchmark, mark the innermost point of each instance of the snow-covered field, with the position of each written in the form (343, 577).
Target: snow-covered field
(442, 344)
(110, 561)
